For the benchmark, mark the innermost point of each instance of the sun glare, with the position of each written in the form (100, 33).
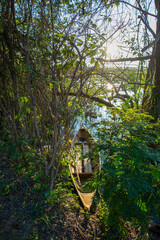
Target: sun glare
(112, 50)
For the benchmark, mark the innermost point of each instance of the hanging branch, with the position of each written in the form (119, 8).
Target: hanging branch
(96, 99)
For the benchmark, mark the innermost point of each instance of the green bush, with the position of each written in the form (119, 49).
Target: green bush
(128, 181)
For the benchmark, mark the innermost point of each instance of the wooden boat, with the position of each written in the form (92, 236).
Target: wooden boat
(81, 169)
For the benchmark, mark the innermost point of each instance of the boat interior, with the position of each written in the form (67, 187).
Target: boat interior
(82, 166)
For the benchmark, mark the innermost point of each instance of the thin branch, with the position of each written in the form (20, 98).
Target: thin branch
(147, 25)
(126, 59)
(151, 44)
(141, 10)
(33, 100)
(96, 99)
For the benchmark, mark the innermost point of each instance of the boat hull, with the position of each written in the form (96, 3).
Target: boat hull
(82, 167)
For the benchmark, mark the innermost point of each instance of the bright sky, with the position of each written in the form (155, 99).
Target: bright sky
(112, 49)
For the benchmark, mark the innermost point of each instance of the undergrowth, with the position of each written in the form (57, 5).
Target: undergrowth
(30, 211)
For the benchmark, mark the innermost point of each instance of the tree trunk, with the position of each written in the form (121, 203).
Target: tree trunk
(154, 105)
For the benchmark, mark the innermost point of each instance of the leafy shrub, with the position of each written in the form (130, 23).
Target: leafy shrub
(61, 194)
(128, 180)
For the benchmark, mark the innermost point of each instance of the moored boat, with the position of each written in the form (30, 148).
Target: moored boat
(81, 167)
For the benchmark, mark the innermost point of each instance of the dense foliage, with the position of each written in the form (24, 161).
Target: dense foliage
(129, 178)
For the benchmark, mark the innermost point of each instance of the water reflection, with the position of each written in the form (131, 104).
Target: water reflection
(93, 115)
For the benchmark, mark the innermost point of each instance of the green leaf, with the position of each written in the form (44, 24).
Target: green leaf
(98, 66)
(60, 35)
(51, 86)
(23, 100)
(79, 43)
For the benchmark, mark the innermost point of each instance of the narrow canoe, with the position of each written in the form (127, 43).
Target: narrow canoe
(82, 169)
